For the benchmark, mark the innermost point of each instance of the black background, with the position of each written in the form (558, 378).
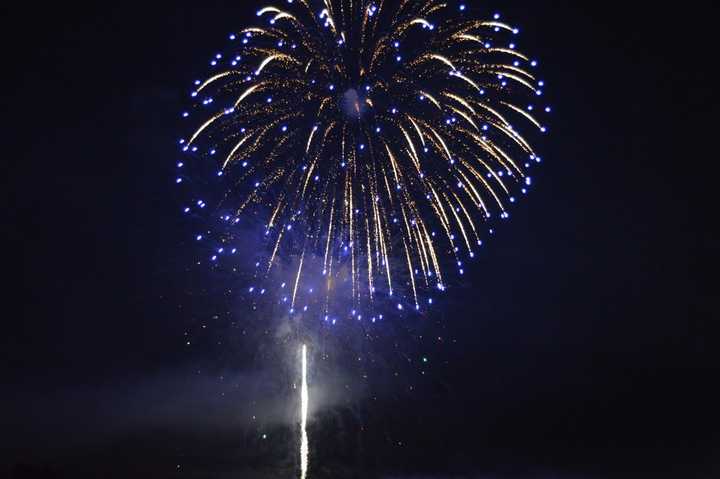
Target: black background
(581, 345)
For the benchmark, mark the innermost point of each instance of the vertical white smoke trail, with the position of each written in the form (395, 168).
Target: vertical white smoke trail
(303, 417)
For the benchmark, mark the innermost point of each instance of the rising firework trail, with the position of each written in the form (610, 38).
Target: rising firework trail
(304, 398)
(372, 141)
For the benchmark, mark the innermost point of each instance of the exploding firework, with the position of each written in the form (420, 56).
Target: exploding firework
(373, 144)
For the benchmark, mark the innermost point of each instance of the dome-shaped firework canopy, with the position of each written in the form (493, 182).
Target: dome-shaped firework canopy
(371, 142)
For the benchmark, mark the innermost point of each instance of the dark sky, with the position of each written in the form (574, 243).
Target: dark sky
(582, 344)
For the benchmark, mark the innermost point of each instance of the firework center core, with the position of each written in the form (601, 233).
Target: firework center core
(352, 104)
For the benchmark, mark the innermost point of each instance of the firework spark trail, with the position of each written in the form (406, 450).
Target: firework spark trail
(304, 398)
(354, 130)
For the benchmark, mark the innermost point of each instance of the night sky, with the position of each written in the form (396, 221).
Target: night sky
(582, 343)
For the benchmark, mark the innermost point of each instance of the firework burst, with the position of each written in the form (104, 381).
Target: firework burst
(373, 143)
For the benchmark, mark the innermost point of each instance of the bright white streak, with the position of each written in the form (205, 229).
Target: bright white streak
(303, 416)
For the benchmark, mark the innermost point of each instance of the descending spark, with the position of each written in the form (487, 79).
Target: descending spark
(304, 450)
